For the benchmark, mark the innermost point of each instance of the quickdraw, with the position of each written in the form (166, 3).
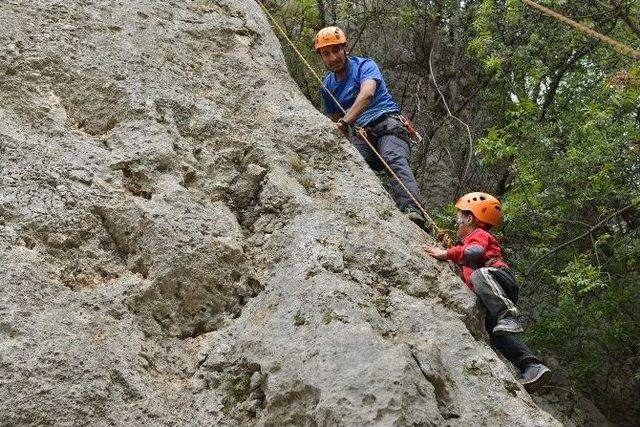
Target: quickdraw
(413, 134)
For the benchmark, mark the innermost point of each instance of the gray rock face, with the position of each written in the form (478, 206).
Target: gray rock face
(184, 240)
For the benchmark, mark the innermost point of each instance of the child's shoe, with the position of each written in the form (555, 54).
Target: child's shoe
(508, 325)
(534, 376)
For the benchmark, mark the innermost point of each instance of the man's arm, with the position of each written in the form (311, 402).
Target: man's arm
(364, 98)
(367, 90)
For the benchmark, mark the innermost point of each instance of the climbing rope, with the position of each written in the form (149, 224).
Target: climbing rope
(619, 46)
(441, 235)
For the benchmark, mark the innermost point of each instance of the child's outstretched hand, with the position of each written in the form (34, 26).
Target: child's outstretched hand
(437, 253)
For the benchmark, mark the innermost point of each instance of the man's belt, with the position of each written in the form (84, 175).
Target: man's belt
(382, 117)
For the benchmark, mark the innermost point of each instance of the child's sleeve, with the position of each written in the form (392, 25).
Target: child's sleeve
(472, 252)
(455, 253)
(475, 249)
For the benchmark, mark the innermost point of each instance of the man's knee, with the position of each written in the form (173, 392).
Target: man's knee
(367, 154)
(395, 150)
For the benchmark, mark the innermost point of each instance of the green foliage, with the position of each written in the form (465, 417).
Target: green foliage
(446, 218)
(578, 278)
(492, 64)
(301, 21)
(238, 388)
(570, 132)
(407, 14)
(594, 327)
(496, 146)
(299, 319)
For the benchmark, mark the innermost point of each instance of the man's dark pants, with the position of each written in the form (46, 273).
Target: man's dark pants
(396, 151)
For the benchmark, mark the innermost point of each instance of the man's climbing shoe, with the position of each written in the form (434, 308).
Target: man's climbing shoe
(534, 376)
(415, 215)
(508, 325)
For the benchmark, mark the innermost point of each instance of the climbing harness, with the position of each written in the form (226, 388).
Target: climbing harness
(410, 136)
(359, 131)
(619, 46)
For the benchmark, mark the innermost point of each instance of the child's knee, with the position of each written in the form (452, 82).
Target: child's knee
(477, 279)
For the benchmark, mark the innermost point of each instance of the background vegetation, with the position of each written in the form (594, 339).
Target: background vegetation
(515, 103)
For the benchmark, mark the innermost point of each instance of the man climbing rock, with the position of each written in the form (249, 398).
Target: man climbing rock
(357, 84)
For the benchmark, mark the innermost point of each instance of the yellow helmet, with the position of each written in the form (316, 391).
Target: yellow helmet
(483, 206)
(329, 36)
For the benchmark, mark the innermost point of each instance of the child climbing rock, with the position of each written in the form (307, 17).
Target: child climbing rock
(493, 282)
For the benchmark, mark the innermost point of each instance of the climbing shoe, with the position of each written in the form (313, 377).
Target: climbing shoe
(415, 215)
(534, 376)
(508, 325)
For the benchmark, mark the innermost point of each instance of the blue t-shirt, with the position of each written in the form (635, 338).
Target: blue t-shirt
(346, 91)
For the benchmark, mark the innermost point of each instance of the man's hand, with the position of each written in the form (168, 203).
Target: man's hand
(343, 127)
(437, 253)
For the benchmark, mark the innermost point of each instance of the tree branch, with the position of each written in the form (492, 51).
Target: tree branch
(559, 75)
(435, 83)
(586, 233)
(616, 7)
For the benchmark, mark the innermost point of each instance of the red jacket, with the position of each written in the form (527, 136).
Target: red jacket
(478, 249)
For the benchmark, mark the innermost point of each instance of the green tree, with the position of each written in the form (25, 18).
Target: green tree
(570, 135)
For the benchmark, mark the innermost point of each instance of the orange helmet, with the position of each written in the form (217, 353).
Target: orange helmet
(329, 36)
(483, 206)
